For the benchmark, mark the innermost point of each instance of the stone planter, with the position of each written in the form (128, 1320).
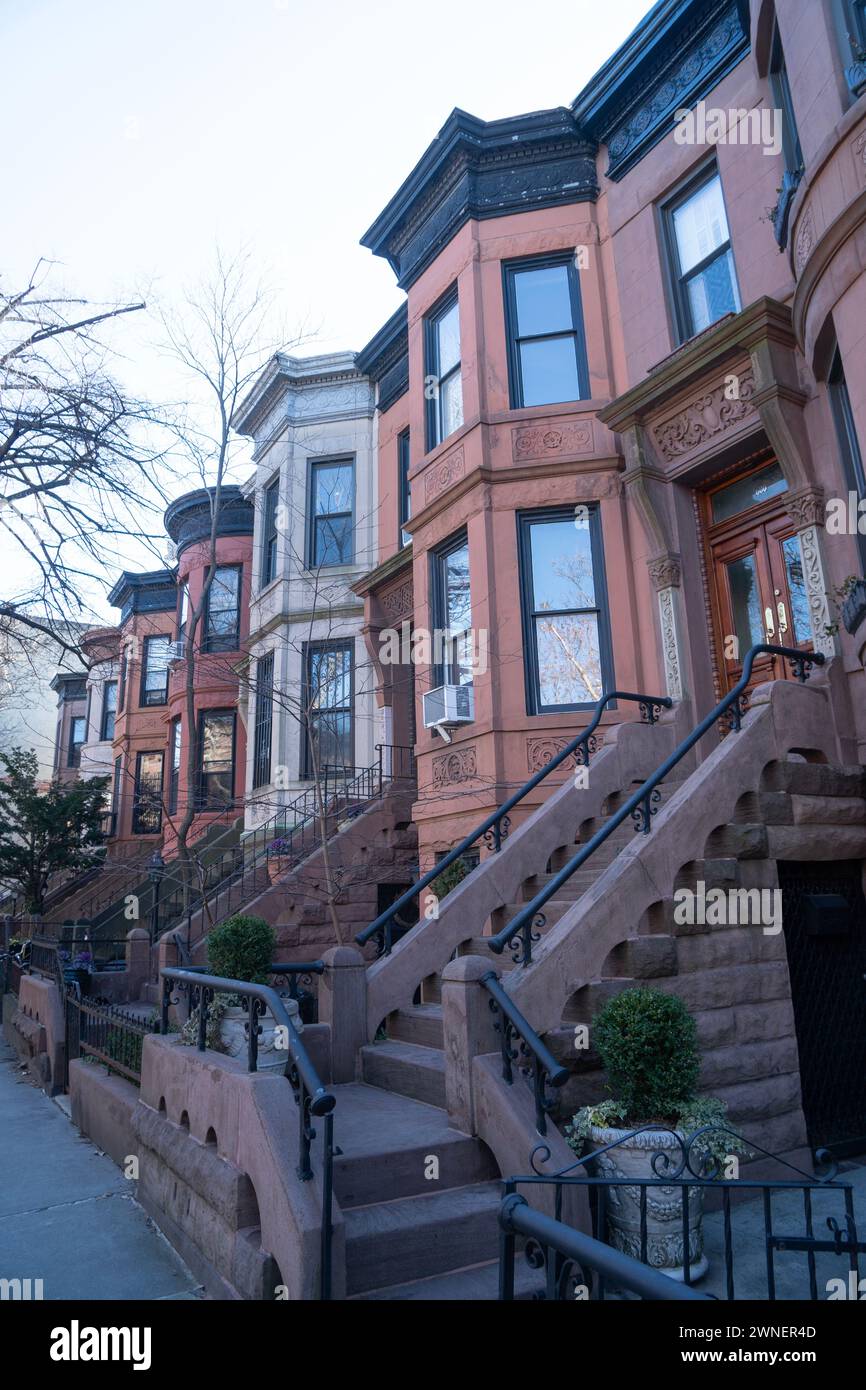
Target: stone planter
(632, 1158)
(278, 867)
(234, 1039)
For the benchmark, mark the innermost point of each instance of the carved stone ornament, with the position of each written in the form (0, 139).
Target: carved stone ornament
(534, 442)
(806, 508)
(541, 751)
(399, 601)
(805, 239)
(666, 571)
(442, 474)
(710, 415)
(458, 765)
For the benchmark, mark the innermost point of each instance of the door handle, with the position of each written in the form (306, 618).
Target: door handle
(769, 624)
(783, 618)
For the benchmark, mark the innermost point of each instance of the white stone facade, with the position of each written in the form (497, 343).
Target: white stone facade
(305, 411)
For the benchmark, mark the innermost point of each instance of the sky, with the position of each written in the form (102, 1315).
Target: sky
(138, 134)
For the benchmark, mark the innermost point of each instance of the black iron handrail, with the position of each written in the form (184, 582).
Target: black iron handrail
(574, 1248)
(495, 828)
(310, 1094)
(532, 1056)
(642, 805)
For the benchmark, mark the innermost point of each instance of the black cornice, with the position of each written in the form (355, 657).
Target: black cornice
(482, 169)
(188, 519)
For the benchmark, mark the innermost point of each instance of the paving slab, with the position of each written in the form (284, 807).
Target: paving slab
(67, 1214)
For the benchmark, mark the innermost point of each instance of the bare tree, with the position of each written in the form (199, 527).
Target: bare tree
(80, 457)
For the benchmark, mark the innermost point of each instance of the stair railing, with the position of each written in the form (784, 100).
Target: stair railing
(525, 929)
(312, 1098)
(495, 828)
(531, 1056)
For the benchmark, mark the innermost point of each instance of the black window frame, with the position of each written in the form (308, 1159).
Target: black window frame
(846, 435)
(175, 745)
(510, 269)
(340, 644)
(433, 413)
(683, 324)
(143, 692)
(115, 789)
(217, 641)
(780, 87)
(270, 534)
(264, 720)
(74, 747)
(121, 684)
(142, 804)
(404, 439)
(443, 671)
(313, 465)
(104, 735)
(528, 613)
(182, 612)
(204, 801)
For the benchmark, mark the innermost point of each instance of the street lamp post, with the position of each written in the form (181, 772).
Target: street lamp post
(156, 873)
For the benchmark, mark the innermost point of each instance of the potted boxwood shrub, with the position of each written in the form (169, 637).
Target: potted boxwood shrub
(242, 948)
(647, 1042)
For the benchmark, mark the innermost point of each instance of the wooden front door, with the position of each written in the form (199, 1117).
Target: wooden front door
(757, 585)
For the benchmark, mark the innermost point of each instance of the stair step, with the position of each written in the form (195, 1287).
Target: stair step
(815, 779)
(396, 1242)
(407, 1068)
(421, 1024)
(476, 1284)
(480, 946)
(387, 1142)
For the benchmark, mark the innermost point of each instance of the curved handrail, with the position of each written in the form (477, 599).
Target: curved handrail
(641, 806)
(496, 825)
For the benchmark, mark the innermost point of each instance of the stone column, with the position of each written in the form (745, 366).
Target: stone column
(467, 1021)
(807, 512)
(343, 1005)
(137, 961)
(665, 572)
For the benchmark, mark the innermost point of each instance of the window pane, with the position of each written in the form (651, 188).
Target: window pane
(156, 670)
(458, 605)
(745, 602)
(700, 224)
(801, 624)
(712, 292)
(543, 300)
(748, 492)
(569, 660)
(562, 574)
(217, 732)
(333, 484)
(448, 339)
(548, 369)
(330, 678)
(332, 736)
(333, 541)
(451, 404)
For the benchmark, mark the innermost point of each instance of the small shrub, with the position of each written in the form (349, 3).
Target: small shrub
(242, 948)
(647, 1042)
(449, 878)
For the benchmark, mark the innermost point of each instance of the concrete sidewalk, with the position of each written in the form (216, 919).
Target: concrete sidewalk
(67, 1214)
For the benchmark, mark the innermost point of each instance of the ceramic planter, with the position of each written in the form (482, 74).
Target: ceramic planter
(234, 1039)
(632, 1158)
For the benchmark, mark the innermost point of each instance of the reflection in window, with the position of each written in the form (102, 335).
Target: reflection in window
(452, 604)
(745, 602)
(154, 671)
(109, 711)
(748, 492)
(147, 805)
(546, 334)
(328, 709)
(445, 400)
(222, 622)
(565, 621)
(216, 758)
(799, 619)
(331, 504)
(703, 269)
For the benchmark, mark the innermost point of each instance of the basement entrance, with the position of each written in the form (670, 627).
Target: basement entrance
(824, 921)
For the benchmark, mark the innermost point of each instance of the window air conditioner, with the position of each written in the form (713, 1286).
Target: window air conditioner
(448, 706)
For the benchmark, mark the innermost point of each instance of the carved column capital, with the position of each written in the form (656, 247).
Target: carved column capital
(666, 570)
(806, 507)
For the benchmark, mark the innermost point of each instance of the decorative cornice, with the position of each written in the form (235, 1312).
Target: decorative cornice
(551, 441)
(399, 602)
(734, 336)
(440, 476)
(189, 519)
(676, 55)
(480, 169)
(382, 573)
(541, 751)
(703, 419)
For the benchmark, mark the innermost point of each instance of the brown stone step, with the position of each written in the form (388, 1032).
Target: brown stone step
(407, 1068)
(421, 1024)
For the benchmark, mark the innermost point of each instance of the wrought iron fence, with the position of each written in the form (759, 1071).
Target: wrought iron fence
(109, 1034)
(681, 1215)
